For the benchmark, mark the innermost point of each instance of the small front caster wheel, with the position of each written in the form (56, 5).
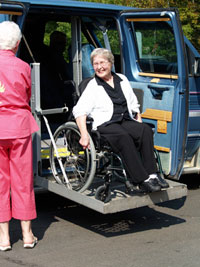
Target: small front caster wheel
(103, 194)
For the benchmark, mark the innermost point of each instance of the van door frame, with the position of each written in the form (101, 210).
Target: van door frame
(76, 50)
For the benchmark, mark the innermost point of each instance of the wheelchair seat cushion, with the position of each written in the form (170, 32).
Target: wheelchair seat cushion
(83, 84)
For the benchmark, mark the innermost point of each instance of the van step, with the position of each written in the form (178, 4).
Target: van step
(190, 170)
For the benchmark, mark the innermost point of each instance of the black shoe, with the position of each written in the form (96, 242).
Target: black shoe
(162, 182)
(150, 186)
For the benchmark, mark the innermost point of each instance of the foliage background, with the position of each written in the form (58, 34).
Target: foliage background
(189, 11)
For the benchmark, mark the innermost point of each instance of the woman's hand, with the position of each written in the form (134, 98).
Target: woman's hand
(85, 141)
(138, 117)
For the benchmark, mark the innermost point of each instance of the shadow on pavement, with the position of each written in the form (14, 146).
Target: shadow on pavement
(51, 206)
(175, 204)
(191, 180)
(193, 183)
(45, 211)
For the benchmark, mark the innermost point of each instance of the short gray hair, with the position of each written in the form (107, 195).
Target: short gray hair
(10, 34)
(102, 52)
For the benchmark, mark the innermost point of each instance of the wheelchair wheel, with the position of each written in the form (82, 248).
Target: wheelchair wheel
(79, 164)
(103, 194)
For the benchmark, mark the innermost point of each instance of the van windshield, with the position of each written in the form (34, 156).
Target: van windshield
(156, 46)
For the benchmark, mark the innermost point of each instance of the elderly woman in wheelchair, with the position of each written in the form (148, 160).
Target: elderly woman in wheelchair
(111, 103)
(108, 138)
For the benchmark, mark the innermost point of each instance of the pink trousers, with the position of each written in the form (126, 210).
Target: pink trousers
(17, 198)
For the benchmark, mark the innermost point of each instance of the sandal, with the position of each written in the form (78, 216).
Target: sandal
(31, 245)
(5, 248)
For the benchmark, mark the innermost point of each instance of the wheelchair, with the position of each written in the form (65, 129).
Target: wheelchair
(78, 168)
(84, 166)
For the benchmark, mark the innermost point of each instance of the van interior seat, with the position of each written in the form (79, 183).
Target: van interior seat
(87, 68)
(140, 95)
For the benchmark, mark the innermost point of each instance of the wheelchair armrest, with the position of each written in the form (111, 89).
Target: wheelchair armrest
(96, 137)
(89, 122)
(99, 141)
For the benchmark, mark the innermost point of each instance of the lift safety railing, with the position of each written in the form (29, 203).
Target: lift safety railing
(38, 114)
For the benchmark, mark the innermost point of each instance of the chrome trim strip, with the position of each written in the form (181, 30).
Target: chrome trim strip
(194, 113)
(194, 135)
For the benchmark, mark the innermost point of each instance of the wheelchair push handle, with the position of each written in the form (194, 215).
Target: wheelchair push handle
(52, 111)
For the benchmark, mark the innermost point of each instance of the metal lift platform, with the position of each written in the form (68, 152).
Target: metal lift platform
(120, 201)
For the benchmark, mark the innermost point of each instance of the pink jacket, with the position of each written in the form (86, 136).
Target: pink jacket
(16, 120)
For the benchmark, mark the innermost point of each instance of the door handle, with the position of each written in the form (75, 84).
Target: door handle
(157, 91)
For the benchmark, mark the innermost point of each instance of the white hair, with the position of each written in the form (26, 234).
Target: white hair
(10, 34)
(102, 52)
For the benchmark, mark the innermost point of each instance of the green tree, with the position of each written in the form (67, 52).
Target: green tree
(189, 11)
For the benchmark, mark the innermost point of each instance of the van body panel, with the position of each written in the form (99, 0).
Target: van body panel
(69, 3)
(193, 135)
(151, 51)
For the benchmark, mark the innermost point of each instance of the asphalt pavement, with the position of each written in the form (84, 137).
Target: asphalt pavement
(70, 235)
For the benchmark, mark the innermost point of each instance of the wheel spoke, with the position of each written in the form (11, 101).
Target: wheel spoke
(79, 164)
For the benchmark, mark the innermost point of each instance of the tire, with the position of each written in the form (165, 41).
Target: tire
(79, 164)
(103, 194)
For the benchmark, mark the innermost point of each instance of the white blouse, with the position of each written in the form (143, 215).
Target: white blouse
(96, 103)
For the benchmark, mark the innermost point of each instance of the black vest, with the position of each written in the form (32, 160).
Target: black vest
(119, 101)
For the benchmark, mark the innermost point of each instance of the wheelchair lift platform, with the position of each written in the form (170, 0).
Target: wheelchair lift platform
(120, 201)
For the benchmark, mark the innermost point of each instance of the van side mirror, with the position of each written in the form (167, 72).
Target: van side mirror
(197, 66)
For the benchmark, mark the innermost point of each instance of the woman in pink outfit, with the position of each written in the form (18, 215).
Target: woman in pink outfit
(17, 199)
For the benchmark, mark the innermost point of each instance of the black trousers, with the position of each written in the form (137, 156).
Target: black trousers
(133, 142)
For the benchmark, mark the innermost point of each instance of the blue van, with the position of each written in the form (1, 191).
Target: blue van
(149, 48)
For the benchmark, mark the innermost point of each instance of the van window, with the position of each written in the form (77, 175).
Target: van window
(114, 43)
(64, 27)
(102, 29)
(190, 60)
(63, 44)
(156, 46)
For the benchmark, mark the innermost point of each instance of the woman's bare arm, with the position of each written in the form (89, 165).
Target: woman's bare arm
(84, 140)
